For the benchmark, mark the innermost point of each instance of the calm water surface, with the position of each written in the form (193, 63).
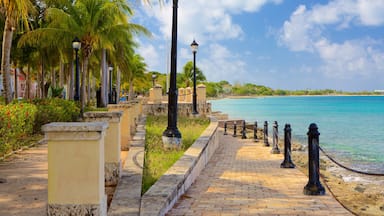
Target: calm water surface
(351, 127)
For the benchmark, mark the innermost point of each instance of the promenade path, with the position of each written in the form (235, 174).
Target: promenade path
(23, 183)
(244, 178)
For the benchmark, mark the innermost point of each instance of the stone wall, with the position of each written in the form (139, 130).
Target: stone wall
(161, 197)
(184, 109)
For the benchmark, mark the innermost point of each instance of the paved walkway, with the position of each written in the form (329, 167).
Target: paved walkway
(244, 178)
(23, 184)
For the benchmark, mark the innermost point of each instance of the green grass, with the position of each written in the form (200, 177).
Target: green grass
(157, 159)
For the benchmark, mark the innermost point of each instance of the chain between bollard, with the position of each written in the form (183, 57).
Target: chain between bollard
(348, 168)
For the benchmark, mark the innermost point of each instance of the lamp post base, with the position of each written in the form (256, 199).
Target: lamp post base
(172, 139)
(171, 142)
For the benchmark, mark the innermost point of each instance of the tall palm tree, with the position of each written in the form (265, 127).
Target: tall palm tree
(122, 56)
(187, 74)
(136, 70)
(98, 23)
(14, 11)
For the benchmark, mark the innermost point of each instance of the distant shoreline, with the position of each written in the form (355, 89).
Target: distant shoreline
(267, 96)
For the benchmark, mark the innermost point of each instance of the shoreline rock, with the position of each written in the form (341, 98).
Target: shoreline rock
(361, 194)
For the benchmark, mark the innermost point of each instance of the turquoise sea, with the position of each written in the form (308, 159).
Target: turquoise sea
(351, 127)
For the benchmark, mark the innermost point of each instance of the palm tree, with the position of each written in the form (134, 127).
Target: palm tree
(137, 69)
(14, 11)
(98, 23)
(122, 56)
(187, 74)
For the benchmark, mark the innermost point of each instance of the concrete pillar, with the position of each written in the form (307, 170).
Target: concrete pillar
(201, 92)
(112, 143)
(181, 96)
(188, 95)
(157, 94)
(76, 168)
(125, 135)
(151, 95)
(132, 118)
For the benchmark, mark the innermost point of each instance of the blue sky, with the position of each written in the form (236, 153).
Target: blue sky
(283, 44)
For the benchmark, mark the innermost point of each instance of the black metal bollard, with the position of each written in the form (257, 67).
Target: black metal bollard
(225, 128)
(234, 129)
(244, 131)
(266, 143)
(275, 139)
(255, 132)
(287, 163)
(313, 186)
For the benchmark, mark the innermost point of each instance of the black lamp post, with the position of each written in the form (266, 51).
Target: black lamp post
(153, 80)
(110, 99)
(194, 47)
(76, 45)
(172, 135)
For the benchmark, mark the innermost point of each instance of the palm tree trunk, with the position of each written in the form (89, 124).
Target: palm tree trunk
(131, 92)
(71, 80)
(16, 95)
(42, 86)
(6, 60)
(118, 81)
(103, 96)
(61, 74)
(53, 78)
(28, 84)
(88, 86)
(83, 82)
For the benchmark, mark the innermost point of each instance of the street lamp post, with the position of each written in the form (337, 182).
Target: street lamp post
(171, 135)
(194, 47)
(76, 45)
(153, 80)
(110, 99)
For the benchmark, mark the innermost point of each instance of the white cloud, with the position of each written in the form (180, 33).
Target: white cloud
(371, 12)
(209, 22)
(305, 31)
(223, 65)
(206, 21)
(150, 54)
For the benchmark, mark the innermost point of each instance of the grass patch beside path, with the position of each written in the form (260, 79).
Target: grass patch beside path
(158, 160)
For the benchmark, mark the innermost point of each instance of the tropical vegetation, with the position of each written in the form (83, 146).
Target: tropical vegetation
(21, 121)
(37, 41)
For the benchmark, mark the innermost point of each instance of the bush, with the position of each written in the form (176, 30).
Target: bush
(16, 124)
(54, 110)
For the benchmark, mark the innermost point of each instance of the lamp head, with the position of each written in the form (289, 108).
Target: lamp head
(194, 46)
(76, 44)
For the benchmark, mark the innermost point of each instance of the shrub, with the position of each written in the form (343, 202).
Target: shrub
(16, 124)
(54, 110)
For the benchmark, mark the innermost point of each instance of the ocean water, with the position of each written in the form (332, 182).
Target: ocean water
(351, 127)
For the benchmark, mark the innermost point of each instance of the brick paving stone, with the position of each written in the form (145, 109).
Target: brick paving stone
(244, 178)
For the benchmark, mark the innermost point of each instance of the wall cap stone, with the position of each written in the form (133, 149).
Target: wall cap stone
(75, 127)
(104, 115)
